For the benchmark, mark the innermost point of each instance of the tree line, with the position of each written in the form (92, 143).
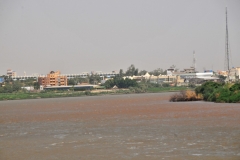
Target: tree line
(15, 86)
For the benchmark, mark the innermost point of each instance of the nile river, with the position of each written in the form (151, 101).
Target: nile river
(134, 126)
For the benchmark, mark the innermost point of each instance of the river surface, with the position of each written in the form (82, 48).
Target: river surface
(134, 126)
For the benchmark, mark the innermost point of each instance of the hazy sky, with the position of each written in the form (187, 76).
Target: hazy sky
(76, 36)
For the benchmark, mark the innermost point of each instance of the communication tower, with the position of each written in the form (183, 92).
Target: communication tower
(194, 61)
(226, 63)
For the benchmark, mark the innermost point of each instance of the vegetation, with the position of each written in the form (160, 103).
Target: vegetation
(29, 95)
(11, 87)
(132, 71)
(120, 83)
(209, 91)
(220, 92)
(185, 95)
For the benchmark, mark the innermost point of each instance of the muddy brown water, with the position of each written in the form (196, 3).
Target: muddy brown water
(134, 126)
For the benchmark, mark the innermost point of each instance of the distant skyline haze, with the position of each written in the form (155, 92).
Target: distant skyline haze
(78, 36)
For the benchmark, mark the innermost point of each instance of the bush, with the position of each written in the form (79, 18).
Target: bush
(235, 87)
(187, 95)
(165, 85)
(136, 90)
(217, 92)
(207, 89)
(88, 93)
(235, 98)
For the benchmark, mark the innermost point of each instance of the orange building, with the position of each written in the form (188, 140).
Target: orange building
(53, 79)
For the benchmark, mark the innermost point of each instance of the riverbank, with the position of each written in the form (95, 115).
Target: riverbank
(58, 94)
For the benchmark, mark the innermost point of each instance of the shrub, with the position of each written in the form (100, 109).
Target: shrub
(165, 85)
(235, 87)
(187, 95)
(207, 89)
(87, 92)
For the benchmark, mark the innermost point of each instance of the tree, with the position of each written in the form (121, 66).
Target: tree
(94, 79)
(109, 83)
(16, 86)
(142, 72)
(222, 78)
(132, 71)
(157, 72)
(7, 79)
(29, 82)
(72, 82)
(121, 73)
(36, 85)
(173, 66)
(120, 83)
(7, 88)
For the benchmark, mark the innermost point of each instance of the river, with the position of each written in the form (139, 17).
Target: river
(130, 126)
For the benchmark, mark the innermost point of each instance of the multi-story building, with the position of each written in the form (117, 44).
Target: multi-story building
(11, 73)
(53, 79)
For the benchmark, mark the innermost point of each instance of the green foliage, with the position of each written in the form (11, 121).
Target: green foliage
(157, 72)
(87, 92)
(221, 77)
(121, 73)
(120, 83)
(165, 85)
(11, 87)
(94, 79)
(16, 86)
(132, 71)
(36, 85)
(235, 87)
(217, 92)
(207, 89)
(72, 82)
(142, 72)
(28, 82)
(109, 83)
(235, 97)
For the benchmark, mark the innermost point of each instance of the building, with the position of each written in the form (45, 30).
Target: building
(154, 79)
(11, 73)
(234, 74)
(53, 79)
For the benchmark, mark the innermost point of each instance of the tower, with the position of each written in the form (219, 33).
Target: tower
(194, 61)
(226, 63)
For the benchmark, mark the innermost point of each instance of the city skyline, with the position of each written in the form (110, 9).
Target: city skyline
(84, 36)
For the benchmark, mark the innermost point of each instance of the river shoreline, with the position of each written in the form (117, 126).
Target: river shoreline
(57, 94)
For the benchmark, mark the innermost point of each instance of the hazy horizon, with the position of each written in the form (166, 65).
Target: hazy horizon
(108, 35)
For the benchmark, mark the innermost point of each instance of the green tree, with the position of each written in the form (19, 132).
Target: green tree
(109, 83)
(72, 82)
(120, 83)
(121, 73)
(142, 72)
(36, 85)
(94, 79)
(7, 79)
(157, 72)
(16, 86)
(29, 82)
(221, 77)
(207, 89)
(132, 71)
(7, 88)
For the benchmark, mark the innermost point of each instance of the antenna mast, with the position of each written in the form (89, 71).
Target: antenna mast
(226, 65)
(194, 60)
